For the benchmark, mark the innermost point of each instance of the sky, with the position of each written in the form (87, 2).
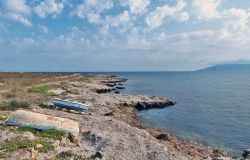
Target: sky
(122, 35)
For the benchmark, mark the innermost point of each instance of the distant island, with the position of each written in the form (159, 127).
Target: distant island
(228, 67)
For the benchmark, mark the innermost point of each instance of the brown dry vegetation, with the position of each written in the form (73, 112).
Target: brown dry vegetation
(18, 90)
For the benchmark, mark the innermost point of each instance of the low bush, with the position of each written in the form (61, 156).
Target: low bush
(69, 155)
(14, 105)
(9, 147)
(52, 134)
(44, 89)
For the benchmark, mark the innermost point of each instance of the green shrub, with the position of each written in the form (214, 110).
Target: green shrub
(14, 105)
(44, 89)
(52, 134)
(85, 80)
(9, 147)
(69, 155)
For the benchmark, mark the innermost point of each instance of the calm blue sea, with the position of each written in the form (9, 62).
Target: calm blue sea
(213, 107)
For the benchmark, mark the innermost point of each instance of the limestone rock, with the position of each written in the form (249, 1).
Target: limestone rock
(246, 153)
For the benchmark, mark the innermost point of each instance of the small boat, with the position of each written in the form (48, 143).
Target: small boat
(70, 105)
(42, 121)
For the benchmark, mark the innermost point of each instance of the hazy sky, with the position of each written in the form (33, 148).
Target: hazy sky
(122, 35)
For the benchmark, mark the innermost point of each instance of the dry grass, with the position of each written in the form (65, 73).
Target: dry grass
(6, 149)
(19, 90)
(44, 89)
(52, 134)
(69, 155)
(19, 81)
(14, 105)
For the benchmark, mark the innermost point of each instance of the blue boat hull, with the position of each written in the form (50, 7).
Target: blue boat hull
(70, 105)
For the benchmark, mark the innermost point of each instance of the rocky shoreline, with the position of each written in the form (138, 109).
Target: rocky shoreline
(110, 127)
(188, 149)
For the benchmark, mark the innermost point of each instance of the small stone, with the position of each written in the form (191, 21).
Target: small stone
(120, 87)
(39, 146)
(111, 113)
(98, 154)
(163, 136)
(73, 138)
(33, 153)
(63, 142)
(219, 153)
(3, 117)
(125, 104)
(56, 144)
(117, 92)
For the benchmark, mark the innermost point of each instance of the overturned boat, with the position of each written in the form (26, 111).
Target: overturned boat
(70, 105)
(42, 121)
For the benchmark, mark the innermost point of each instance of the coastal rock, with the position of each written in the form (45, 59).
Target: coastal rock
(154, 104)
(246, 153)
(104, 90)
(110, 84)
(93, 138)
(117, 92)
(100, 88)
(219, 153)
(114, 80)
(110, 113)
(98, 154)
(73, 138)
(138, 101)
(163, 136)
(120, 87)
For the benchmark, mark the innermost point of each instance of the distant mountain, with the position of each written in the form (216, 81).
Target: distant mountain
(228, 67)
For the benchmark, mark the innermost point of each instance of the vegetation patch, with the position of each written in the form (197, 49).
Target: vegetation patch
(52, 134)
(1, 79)
(9, 94)
(69, 155)
(44, 89)
(47, 106)
(9, 147)
(93, 100)
(85, 80)
(14, 105)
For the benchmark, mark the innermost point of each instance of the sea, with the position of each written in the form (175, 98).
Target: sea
(213, 107)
